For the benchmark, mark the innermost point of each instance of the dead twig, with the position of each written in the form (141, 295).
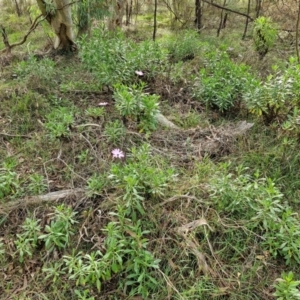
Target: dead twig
(169, 282)
(88, 124)
(165, 122)
(174, 198)
(15, 135)
(50, 197)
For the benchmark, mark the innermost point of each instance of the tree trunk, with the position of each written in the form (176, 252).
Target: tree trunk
(198, 14)
(297, 33)
(116, 11)
(221, 20)
(18, 8)
(247, 21)
(155, 20)
(61, 23)
(128, 12)
(258, 7)
(5, 39)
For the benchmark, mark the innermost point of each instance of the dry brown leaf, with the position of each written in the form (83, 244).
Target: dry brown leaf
(172, 265)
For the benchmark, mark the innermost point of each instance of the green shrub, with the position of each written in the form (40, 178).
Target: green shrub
(9, 180)
(222, 83)
(184, 46)
(96, 184)
(37, 184)
(286, 287)
(114, 131)
(95, 112)
(37, 73)
(245, 197)
(260, 205)
(60, 230)
(277, 99)
(133, 103)
(27, 240)
(59, 121)
(125, 254)
(139, 179)
(112, 58)
(264, 35)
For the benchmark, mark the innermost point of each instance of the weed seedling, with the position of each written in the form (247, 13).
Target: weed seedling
(287, 288)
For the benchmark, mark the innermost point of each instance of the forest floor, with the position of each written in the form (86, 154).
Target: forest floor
(101, 200)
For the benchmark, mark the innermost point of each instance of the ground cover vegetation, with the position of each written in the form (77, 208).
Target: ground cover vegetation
(141, 169)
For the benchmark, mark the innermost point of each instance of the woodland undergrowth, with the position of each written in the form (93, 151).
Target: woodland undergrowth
(152, 215)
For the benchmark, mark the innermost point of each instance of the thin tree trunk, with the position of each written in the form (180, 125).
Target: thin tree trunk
(9, 46)
(198, 14)
(128, 12)
(258, 7)
(224, 21)
(221, 20)
(18, 8)
(137, 8)
(116, 9)
(247, 21)
(155, 20)
(297, 32)
(5, 40)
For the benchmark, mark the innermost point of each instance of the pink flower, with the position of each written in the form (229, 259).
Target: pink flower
(102, 103)
(117, 153)
(139, 73)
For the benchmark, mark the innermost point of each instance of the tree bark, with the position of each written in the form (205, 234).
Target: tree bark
(221, 20)
(247, 21)
(6, 208)
(155, 20)
(116, 11)
(297, 32)
(61, 23)
(5, 39)
(198, 14)
(258, 7)
(18, 8)
(128, 11)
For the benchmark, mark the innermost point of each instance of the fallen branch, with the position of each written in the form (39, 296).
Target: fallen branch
(88, 124)
(14, 135)
(165, 122)
(53, 196)
(228, 9)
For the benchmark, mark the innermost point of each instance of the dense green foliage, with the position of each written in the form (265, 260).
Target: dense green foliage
(222, 83)
(264, 35)
(113, 58)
